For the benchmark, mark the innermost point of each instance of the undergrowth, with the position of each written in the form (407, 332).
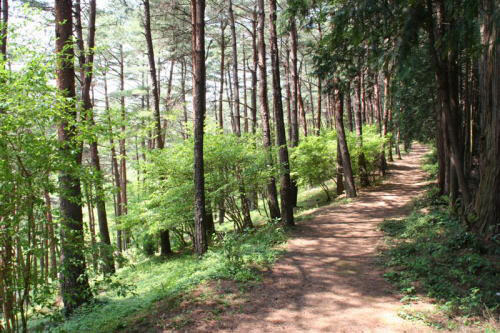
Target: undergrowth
(239, 256)
(431, 252)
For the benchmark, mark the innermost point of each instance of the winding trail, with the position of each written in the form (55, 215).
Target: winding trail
(328, 281)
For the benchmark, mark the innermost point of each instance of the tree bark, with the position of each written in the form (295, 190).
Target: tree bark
(199, 108)
(294, 140)
(285, 181)
(123, 149)
(236, 85)
(164, 234)
(114, 165)
(344, 150)
(487, 202)
(75, 288)
(222, 66)
(272, 194)
(349, 107)
(86, 73)
(438, 27)
(254, 71)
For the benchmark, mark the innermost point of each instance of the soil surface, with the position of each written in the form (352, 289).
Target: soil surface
(328, 280)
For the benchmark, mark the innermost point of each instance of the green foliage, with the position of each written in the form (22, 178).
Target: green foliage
(430, 165)
(137, 287)
(432, 252)
(167, 200)
(313, 161)
(371, 148)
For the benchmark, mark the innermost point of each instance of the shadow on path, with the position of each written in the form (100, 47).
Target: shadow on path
(328, 280)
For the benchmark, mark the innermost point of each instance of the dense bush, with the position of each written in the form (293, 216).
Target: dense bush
(233, 165)
(371, 147)
(314, 161)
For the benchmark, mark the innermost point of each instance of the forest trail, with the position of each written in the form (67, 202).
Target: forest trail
(328, 280)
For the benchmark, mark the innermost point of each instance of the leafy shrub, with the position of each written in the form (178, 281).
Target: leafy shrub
(371, 148)
(313, 161)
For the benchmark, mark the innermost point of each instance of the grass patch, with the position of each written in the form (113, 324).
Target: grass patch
(146, 282)
(238, 257)
(430, 252)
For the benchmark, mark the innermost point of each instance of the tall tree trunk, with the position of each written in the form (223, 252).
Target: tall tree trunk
(302, 110)
(441, 153)
(294, 140)
(340, 171)
(164, 234)
(487, 202)
(254, 71)
(358, 120)
(245, 101)
(438, 26)
(385, 121)
(222, 66)
(199, 107)
(285, 181)
(272, 194)
(114, 165)
(123, 150)
(288, 98)
(349, 107)
(376, 92)
(75, 288)
(86, 74)
(318, 120)
(91, 225)
(236, 85)
(51, 236)
(152, 70)
(344, 150)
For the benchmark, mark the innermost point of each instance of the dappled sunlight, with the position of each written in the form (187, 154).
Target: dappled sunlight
(328, 280)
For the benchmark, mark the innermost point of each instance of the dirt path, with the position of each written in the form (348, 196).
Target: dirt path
(328, 280)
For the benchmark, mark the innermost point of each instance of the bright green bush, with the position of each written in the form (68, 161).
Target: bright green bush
(232, 165)
(313, 161)
(372, 146)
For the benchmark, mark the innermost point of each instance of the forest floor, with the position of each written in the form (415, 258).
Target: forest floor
(328, 280)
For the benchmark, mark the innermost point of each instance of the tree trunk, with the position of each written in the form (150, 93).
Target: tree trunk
(294, 140)
(340, 171)
(114, 165)
(236, 85)
(318, 120)
(75, 288)
(302, 110)
(344, 150)
(86, 74)
(123, 150)
(164, 235)
(272, 194)
(245, 101)
(254, 71)
(349, 106)
(285, 181)
(222, 66)
(438, 27)
(487, 202)
(199, 108)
